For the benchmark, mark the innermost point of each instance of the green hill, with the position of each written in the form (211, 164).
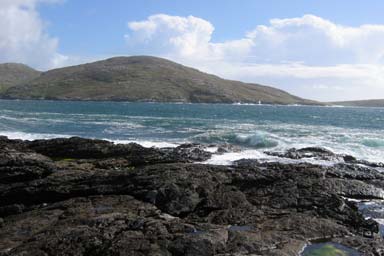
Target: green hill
(144, 78)
(12, 74)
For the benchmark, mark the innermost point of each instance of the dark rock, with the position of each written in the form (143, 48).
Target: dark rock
(193, 152)
(367, 163)
(23, 166)
(128, 154)
(322, 154)
(309, 152)
(349, 158)
(247, 163)
(79, 148)
(11, 209)
(155, 202)
(226, 148)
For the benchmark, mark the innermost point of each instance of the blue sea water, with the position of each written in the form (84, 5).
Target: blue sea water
(255, 128)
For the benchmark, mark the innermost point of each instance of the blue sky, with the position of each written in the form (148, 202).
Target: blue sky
(325, 50)
(96, 26)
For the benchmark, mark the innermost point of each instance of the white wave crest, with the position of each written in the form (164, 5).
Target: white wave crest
(31, 136)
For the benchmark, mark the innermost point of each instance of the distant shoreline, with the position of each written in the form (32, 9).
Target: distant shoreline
(166, 102)
(379, 103)
(326, 104)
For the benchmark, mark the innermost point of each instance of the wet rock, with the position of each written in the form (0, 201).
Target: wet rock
(79, 148)
(247, 163)
(226, 148)
(128, 200)
(348, 158)
(367, 163)
(319, 153)
(194, 152)
(308, 152)
(132, 153)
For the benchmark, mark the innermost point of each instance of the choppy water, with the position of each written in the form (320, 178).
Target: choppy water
(355, 131)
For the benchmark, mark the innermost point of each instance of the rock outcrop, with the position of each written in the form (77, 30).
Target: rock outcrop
(90, 197)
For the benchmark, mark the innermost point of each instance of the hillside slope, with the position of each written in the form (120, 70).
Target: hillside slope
(361, 103)
(12, 74)
(144, 78)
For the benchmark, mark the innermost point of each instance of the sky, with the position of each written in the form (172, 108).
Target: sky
(323, 50)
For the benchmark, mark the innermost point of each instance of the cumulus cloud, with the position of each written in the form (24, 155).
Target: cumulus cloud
(23, 37)
(309, 56)
(188, 38)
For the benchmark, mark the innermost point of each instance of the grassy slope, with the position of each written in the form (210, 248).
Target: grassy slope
(12, 74)
(144, 78)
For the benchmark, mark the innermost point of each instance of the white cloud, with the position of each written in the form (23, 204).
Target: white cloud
(182, 37)
(23, 37)
(295, 54)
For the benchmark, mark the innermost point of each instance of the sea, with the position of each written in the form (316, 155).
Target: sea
(252, 128)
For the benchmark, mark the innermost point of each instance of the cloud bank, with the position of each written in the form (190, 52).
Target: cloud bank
(309, 56)
(23, 37)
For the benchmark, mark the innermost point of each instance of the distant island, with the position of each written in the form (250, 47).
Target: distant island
(138, 78)
(361, 103)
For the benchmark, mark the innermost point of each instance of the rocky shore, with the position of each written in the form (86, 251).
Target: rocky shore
(91, 197)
